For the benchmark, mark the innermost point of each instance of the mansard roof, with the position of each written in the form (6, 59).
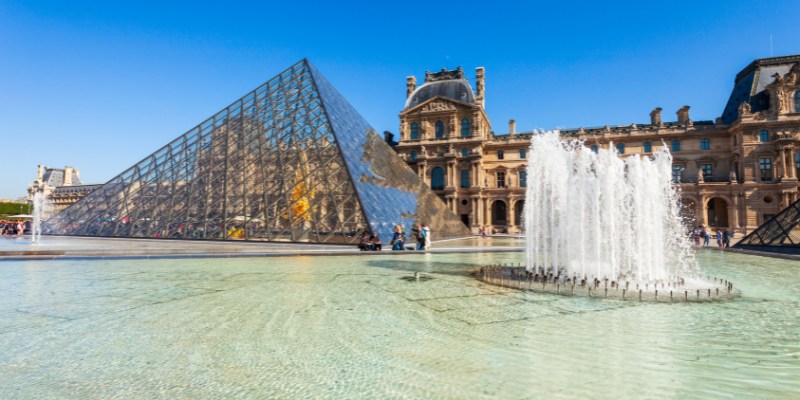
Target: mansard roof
(450, 84)
(751, 82)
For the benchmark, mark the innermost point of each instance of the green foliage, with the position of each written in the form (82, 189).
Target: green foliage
(7, 209)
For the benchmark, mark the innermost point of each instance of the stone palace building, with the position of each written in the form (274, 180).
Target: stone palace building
(734, 172)
(60, 186)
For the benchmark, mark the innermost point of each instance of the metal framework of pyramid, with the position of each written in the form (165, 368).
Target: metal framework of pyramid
(290, 161)
(780, 234)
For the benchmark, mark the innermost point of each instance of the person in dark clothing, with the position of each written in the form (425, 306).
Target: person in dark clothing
(363, 243)
(375, 242)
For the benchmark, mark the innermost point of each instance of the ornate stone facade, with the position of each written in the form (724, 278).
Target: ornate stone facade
(61, 187)
(734, 172)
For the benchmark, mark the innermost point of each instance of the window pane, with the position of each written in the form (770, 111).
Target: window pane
(648, 147)
(704, 144)
(676, 145)
(465, 178)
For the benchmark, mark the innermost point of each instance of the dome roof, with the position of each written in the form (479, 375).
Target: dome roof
(456, 89)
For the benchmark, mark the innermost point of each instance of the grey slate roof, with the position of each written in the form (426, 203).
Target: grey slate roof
(751, 82)
(456, 89)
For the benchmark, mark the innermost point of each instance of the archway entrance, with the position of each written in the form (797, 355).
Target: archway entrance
(499, 212)
(717, 213)
(519, 208)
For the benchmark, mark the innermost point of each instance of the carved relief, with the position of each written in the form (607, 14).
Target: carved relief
(438, 106)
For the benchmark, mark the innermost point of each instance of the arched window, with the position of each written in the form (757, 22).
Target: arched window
(763, 135)
(412, 155)
(705, 144)
(797, 101)
(466, 128)
(414, 131)
(437, 178)
(522, 154)
(621, 148)
(439, 129)
(676, 145)
(594, 148)
(500, 154)
(648, 148)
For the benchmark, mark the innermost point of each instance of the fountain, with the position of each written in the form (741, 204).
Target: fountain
(41, 210)
(606, 225)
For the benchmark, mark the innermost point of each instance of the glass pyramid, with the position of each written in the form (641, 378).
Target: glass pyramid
(780, 234)
(290, 161)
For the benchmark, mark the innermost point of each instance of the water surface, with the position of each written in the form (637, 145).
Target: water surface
(359, 327)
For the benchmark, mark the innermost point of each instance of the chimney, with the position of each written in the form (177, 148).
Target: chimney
(479, 88)
(39, 172)
(683, 116)
(411, 85)
(67, 176)
(655, 116)
(512, 127)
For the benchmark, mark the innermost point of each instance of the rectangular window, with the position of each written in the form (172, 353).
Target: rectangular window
(705, 144)
(522, 154)
(501, 179)
(523, 178)
(763, 135)
(765, 165)
(465, 178)
(648, 148)
(677, 170)
(676, 145)
(621, 148)
(707, 169)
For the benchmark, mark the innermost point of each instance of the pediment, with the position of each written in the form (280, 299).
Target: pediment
(439, 104)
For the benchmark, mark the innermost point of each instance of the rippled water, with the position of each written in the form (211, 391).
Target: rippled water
(357, 327)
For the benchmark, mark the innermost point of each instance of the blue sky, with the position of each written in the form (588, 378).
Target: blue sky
(99, 86)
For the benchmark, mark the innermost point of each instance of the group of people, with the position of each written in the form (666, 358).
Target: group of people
(421, 235)
(702, 233)
(14, 227)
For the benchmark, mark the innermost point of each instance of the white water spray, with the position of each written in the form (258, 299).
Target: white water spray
(598, 215)
(41, 210)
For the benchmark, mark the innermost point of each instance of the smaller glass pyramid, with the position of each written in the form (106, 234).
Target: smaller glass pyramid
(290, 161)
(779, 234)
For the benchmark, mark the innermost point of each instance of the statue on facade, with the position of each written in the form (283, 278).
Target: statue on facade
(732, 176)
(422, 151)
(744, 108)
(700, 178)
(451, 149)
(510, 180)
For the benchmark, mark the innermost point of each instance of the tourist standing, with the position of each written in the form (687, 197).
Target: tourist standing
(419, 234)
(706, 236)
(427, 230)
(719, 238)
(727, 239)
(397, 239)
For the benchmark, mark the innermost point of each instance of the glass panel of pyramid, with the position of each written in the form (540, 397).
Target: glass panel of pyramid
(780, 233)
(290, 161)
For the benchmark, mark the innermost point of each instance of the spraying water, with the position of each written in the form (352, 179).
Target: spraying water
(598, 215)
(41, 210)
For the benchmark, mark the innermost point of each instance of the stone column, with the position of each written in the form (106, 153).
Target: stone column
(792, 167)
(733, 212)
(701, 213)
(511, 215)
(487, 211)
(783, 163)
(477, 210)
(756, 171)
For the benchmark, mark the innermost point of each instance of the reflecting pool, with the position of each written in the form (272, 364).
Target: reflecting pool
(361, 327)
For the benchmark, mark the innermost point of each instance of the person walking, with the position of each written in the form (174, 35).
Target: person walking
(706, 236)
(726, 239)
(719, 238)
